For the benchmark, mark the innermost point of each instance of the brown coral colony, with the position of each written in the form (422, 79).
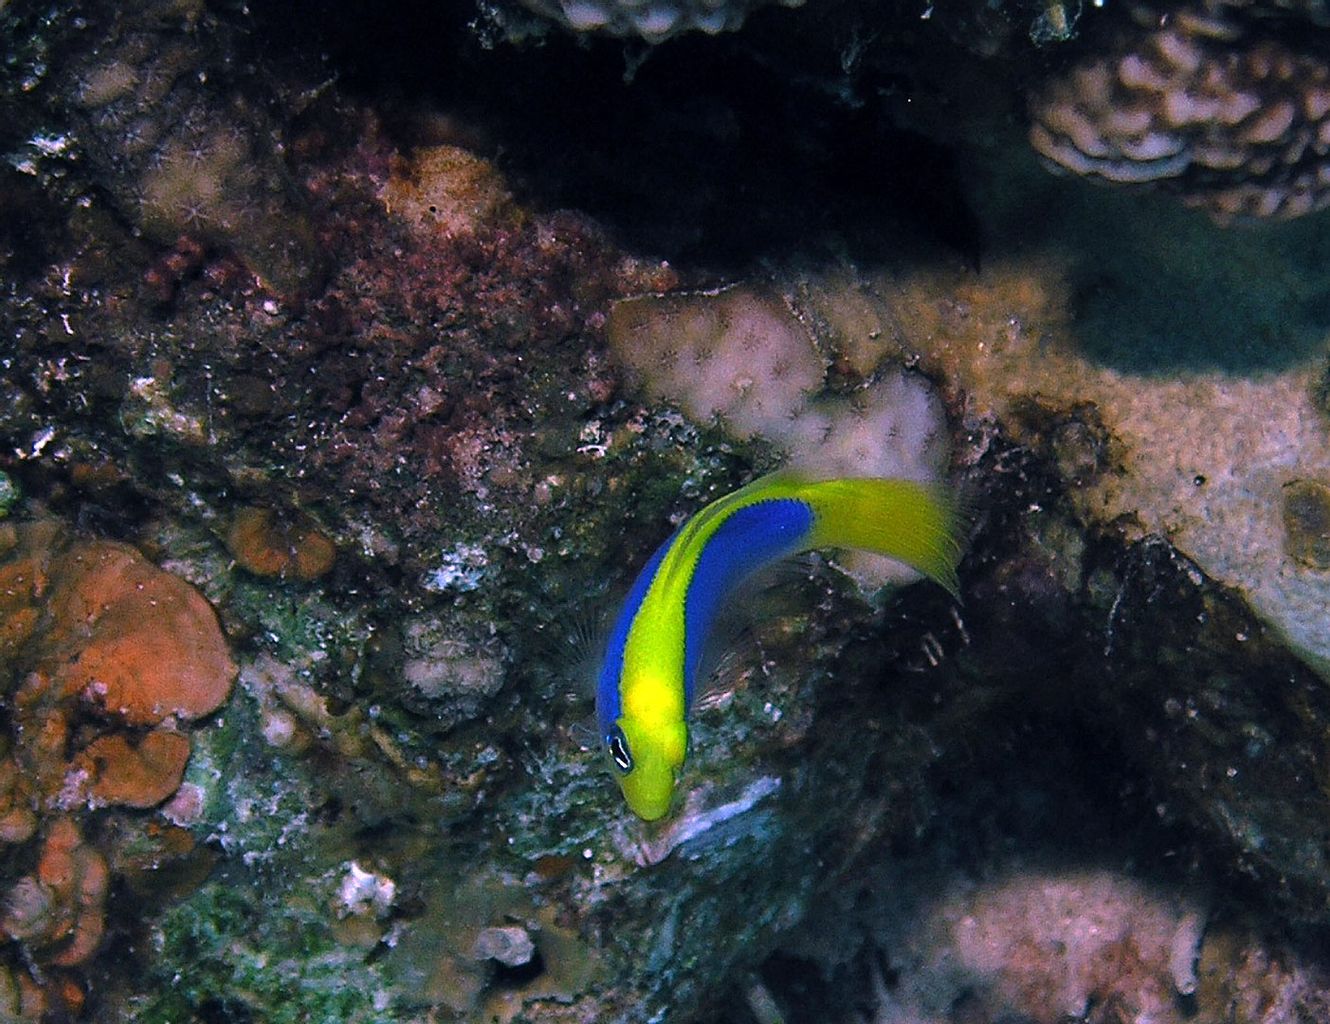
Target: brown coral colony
(136, 642)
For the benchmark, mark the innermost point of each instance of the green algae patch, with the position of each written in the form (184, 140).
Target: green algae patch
(265, 950)
(9, 494)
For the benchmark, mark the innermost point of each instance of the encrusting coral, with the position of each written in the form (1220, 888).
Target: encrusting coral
(447, 189)
(59, 910)
(1048, 946)
(137, 643)
(115, 657)
(129, 775)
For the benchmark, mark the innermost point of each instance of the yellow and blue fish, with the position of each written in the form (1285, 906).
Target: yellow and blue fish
(649, 672)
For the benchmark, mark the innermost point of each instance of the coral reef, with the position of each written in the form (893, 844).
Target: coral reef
(138, 644)
(1048, 947)
(1198, 483)
(1174, 454)
(741, 358)
(1094, 945)
(379, 364)
(185, 145)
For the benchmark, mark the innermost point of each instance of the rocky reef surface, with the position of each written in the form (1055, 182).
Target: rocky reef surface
(354, 362)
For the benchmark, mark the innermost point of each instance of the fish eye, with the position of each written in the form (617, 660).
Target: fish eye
(618, 744)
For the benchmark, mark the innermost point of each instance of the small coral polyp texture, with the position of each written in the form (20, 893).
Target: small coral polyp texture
(740, 357)
(182, 148)
(653, 21)
(1234, 118)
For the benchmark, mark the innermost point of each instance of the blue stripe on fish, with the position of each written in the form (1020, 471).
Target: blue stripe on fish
(752, 537)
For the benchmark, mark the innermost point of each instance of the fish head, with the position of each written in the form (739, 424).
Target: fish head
(647, 757)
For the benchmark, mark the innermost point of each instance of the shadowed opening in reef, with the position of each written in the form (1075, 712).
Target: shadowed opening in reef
(716, 150)
(997, 901)
(1157, 288)
(774, 143)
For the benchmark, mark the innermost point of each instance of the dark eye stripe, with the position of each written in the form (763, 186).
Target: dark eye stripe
(618, 744)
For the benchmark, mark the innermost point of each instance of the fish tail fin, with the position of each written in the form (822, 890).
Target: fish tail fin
(914, 523)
